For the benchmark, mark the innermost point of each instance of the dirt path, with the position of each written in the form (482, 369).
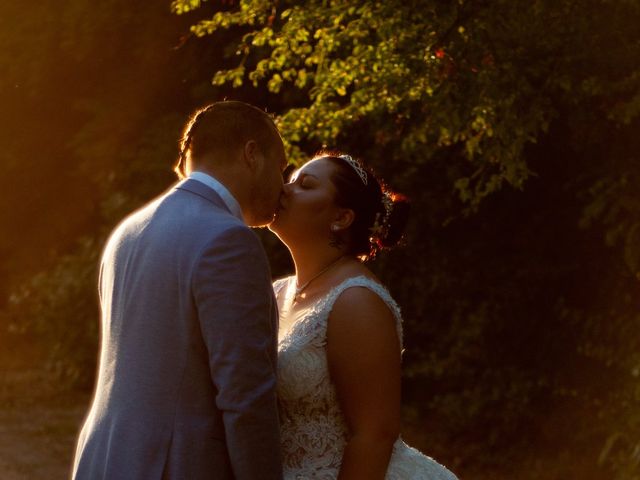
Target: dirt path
(38, 424)
(37, 439)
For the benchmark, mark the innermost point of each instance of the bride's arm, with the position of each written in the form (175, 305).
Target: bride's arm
(363, 352)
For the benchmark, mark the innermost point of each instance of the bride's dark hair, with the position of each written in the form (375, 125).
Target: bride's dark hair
(380, 214)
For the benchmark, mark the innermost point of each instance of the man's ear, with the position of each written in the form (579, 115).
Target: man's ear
(251, 155)
(343, 219)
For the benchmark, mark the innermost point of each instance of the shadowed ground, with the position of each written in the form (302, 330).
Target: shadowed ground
(38, 426)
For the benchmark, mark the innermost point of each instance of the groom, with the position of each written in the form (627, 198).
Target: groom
(187, 374)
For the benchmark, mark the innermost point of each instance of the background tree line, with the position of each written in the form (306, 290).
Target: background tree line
(511, 126)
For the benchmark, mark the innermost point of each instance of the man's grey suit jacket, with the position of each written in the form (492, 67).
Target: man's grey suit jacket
(186, 384)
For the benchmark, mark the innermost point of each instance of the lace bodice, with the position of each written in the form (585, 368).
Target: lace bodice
(313, 428)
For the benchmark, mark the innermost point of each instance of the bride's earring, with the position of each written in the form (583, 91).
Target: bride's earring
(334, 239)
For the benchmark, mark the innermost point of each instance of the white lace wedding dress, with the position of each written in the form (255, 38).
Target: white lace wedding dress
(313, 428)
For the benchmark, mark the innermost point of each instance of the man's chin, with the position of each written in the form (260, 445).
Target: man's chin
(262, 222)
(259, 225)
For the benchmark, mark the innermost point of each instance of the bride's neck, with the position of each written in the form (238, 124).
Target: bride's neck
(309, 261)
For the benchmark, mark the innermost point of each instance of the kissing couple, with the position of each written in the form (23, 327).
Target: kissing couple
(207, 370)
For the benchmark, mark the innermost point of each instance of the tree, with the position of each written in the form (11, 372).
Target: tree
(93, 102)
(482, 99)
(450, 75)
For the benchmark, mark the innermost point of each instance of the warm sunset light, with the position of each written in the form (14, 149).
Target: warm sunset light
(476, 206)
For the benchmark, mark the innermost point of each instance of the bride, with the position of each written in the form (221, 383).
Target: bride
(340, 338)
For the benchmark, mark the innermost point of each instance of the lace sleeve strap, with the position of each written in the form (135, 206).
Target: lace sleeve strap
(375, 287)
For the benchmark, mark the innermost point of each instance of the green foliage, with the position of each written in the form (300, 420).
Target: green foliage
(477, 76)
(614, 200)
(441, 75)
(59, 307)
(92, 139)
(469, 98)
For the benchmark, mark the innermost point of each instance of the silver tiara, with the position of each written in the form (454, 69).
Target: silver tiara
(356, 166)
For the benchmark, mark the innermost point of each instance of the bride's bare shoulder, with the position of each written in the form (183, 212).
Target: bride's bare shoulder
(357, 269)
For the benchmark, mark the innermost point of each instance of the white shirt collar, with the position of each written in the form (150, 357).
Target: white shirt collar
(228, 199)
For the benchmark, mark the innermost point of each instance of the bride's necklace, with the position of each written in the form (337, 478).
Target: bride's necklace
(300, 289)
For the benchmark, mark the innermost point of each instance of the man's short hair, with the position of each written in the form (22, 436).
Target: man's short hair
(223, 127)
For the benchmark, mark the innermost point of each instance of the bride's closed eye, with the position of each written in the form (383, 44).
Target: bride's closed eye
(303, 180)
(306, 181)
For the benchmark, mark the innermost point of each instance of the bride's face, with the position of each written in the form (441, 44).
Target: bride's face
(307, 205)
